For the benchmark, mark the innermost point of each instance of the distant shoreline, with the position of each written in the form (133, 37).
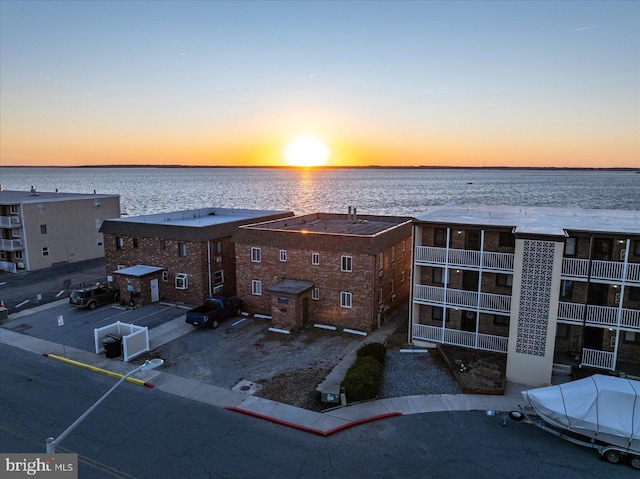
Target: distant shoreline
(370, 167)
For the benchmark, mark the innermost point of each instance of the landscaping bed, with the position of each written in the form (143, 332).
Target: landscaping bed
(476, 371)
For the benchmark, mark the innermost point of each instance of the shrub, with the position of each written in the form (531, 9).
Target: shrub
(363, 379)
(377, 350)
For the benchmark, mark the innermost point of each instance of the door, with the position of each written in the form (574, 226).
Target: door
(155, 293)
(593, 338)
(305, 310)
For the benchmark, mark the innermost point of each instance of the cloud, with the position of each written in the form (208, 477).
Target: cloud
(583, 28)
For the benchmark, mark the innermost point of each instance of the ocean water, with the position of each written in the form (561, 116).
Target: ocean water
(405, 192)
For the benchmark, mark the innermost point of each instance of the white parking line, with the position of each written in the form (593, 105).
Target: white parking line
(60, 293)
(22, 304)
(238, 322)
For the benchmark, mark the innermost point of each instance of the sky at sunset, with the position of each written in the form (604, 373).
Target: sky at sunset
(434, 83)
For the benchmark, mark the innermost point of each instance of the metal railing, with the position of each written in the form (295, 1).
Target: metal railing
(598, 359)
(10, 245)
(461, 298)
(460, 257)
(602, 315)
(606, 270)
(486, 342)
(9, 221)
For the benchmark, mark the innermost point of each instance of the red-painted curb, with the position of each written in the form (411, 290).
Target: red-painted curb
(310, 429)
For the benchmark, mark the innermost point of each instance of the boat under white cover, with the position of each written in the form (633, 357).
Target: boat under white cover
(603, 408)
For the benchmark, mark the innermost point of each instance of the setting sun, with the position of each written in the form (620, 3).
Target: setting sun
(306, 151)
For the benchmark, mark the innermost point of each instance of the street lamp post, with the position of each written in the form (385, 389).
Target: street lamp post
(147, 366)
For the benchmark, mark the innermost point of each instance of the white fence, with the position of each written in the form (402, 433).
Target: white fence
(135, 339)
(598, 359)
(602, 315)
(460, 257)
(461, 298)
(606, 270)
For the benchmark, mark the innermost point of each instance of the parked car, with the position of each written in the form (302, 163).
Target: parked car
(213, 310)
(93, 297)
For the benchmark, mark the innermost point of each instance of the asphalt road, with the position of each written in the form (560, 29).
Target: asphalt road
(146, 433)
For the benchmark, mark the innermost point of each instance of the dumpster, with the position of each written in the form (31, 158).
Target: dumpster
(112, 344)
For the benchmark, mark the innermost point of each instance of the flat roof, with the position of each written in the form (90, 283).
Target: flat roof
(139, 270)
(333, 223)
(537, 220)
(199, 217)
(11, 197)
(289, 287)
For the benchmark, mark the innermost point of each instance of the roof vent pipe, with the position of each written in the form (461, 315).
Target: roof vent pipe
(349, 215)
(355, 214)
(33, 191)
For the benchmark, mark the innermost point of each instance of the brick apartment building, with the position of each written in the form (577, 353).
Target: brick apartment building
(345, 270)
(182, 256)
(44, 229)
(542, 285)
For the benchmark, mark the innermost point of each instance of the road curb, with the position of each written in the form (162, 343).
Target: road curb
(318, 432)
(139, 382)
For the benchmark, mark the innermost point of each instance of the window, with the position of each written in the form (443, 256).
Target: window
(182, 249)
(217, 247)
(439, 275)
(218, 277)
(393, 286)
(440, 237)
(14, 209)
(135, 242)
(380, 296)
(504, 280)
(315, 258)
(506, 239)
(120, 266)
(182, 281)
(562, 331)
(315, 294)
(163, 245)
(636, 248)
(437, 313)
(98, 223)
(381, 261)
(45, 251)
(499, 320)
(283, 255)
(402, 276)
(43, 229)
(472, 240)
(119, 242)
(634, 293)
(99, 241)
(165, 276)
(570, 246)
(17, 255)
(566, 289)
(393, 253)
(256, 288)
(96, 203)
(42, 208)
(346, 264)
(404, 246)
(345, 299)
(256, 255)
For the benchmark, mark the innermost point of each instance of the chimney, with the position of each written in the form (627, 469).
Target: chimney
(349, 215)
(33, 191)
(355, 214)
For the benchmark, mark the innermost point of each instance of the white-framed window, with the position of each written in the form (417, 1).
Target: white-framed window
(45, 251)
(100, 241)
(182, 249)
(96, 203)
(218, 277)
(570, 246)
(315, 294)
(439, 275)
(14, 209)
(182, 281)
(18, 255)
(404, 246)
(120, 266)
(256, 287)
(346, 264)
(217, 247)
(98, 223)
(283, 255)
(380, 296)
(315, 258)
(345, 299)
(42, 208)
(380, 260)
(402, 276)
(119, 242)
(165, 276)
(43, 229)
(256, 255)
(393, 253)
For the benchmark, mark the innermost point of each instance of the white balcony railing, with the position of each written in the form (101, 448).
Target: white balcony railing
(598, 359)
(10, 245)
(9, 221)
(455, 337)
(600, 315)
(606, 270)
(460, 298)
(464, 258)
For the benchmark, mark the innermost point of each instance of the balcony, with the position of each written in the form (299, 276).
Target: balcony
(603, 270)
(430, 255)
(10, 221)
(486, 342)
(11, 245)
(600, 315)
(487, 302)
(598, 359)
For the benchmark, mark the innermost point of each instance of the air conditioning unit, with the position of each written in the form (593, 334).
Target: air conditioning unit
(21, 265)
(219, 259)
(181, 281)
(381, 273)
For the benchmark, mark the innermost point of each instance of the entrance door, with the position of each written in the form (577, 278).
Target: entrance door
(155, 293)
(468, 321)
(593, 338)
(305, 310)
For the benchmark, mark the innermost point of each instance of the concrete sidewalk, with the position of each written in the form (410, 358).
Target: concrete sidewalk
(323, 423)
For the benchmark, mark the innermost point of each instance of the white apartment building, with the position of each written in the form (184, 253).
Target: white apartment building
(43, 229)
(541, 285)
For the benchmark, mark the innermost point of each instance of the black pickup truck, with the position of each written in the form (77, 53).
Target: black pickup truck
(214, 310)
